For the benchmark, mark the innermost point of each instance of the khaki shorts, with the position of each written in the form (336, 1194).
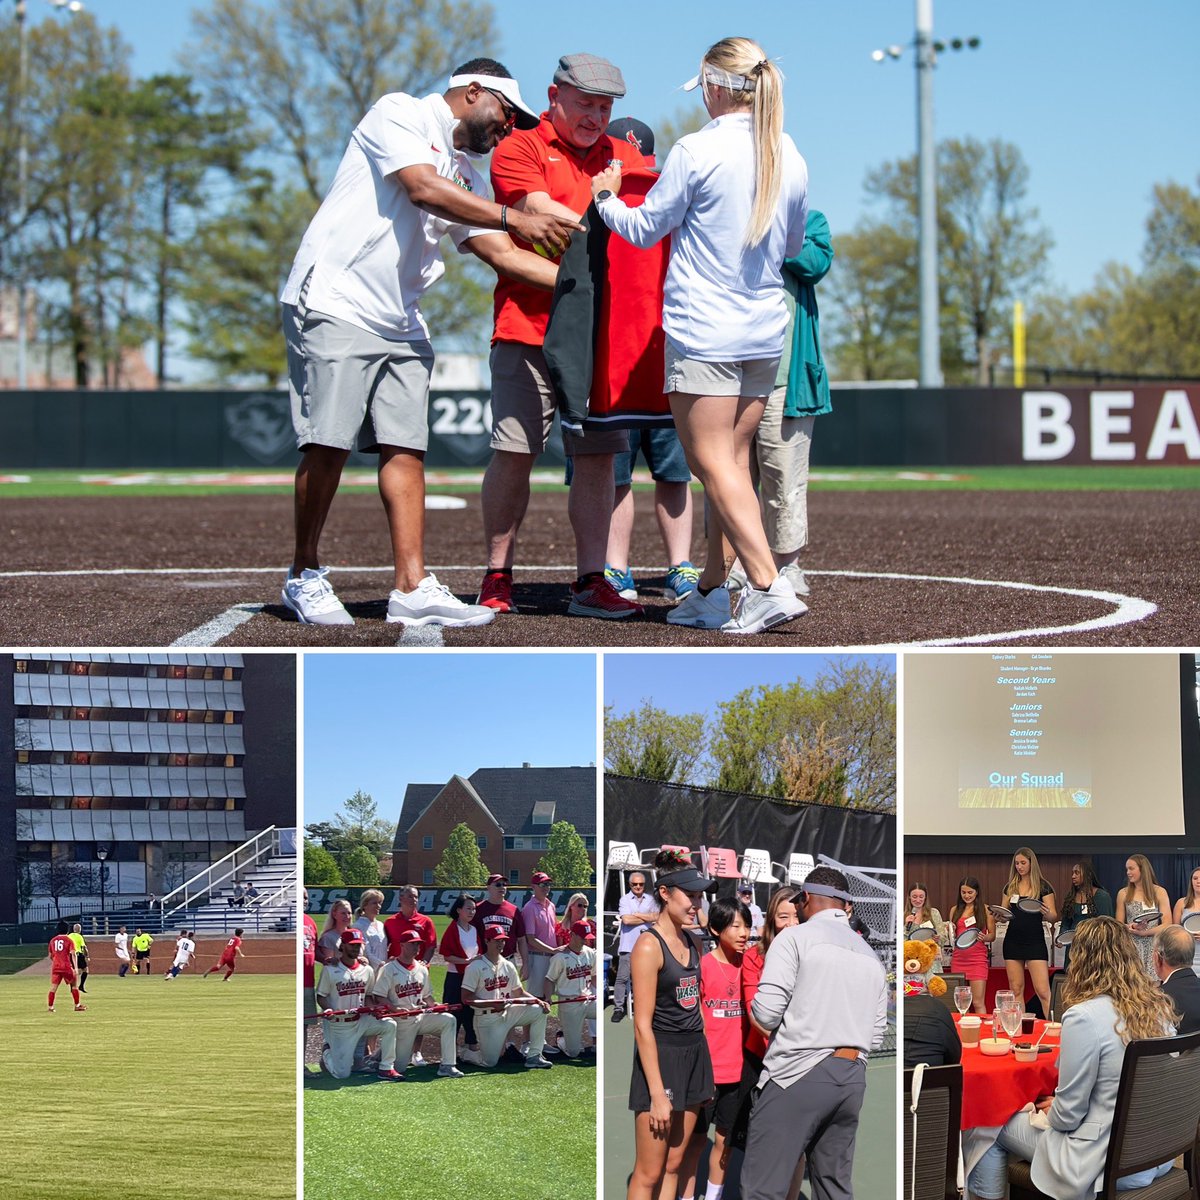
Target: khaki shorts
(782, 447)
(349, 385)
(746, 377)
(523, 407)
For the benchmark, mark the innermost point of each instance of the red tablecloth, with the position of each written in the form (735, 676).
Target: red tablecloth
(997, 981)
(995, 1088)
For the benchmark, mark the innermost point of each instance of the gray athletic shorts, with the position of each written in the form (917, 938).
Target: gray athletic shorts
(349, 385)
(745, 377)
(523, 407)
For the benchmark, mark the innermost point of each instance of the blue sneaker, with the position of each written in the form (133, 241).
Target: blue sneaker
(622, 582)
(681, 581)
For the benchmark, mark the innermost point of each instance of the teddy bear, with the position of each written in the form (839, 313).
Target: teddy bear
(919, 958)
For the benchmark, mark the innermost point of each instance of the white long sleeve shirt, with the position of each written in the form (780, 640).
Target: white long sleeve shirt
(822, 988)
(723, 302)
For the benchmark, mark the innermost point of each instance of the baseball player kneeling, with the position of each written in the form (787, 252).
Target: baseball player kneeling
(572, 973)
(490, 984)
(403, 983)
(341, 991)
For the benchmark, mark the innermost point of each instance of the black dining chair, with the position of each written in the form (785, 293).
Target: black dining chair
(931, 1133)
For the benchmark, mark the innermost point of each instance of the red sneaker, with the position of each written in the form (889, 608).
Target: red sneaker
(390, 1076)
(496, 592)
(598, 598)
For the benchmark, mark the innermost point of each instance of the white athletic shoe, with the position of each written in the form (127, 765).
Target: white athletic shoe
(702, 612)
(470, 1056)
(310, 596)
(448, 1071)
(417, 1060)
(759, 611)
(795, 577)
(432, 603)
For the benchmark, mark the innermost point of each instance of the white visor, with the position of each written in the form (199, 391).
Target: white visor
(719, 78)
(508, 88)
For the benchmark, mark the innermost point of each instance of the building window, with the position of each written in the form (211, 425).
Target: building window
(427, 842)
(427, 878)
(481, 842)
(514, 876)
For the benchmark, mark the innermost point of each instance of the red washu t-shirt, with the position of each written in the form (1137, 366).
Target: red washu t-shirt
(538, 160)
(721, 1003)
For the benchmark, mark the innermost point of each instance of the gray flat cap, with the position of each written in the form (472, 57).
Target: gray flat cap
(589, 73)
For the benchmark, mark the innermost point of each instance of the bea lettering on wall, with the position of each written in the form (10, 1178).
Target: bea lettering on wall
(1148, 425)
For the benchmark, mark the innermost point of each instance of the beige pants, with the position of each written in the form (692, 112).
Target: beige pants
(341, 1037)
(408, 1029)
(782, 446)
(494, 1027)
(572, 1017)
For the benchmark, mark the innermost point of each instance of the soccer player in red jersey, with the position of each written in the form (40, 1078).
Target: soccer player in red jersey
(229, 957)
(62, 966)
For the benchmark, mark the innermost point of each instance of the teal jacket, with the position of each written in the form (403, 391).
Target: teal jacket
(807, 384)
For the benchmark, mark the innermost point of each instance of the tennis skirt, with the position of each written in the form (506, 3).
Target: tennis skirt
(686, 1069)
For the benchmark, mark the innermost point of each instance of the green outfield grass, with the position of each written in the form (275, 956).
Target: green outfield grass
(505, 1134)
(17, 958)
(161, 1091)
(548, 479)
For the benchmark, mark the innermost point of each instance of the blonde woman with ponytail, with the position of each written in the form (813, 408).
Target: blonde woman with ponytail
(734, 199)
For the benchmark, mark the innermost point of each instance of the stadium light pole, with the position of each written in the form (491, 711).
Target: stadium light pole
(926, 51)
(103, 849)
(70, 6)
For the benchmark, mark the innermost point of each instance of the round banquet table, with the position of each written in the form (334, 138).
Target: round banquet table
(995, 1088)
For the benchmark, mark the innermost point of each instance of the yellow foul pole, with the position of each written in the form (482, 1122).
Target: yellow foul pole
(1018, 346)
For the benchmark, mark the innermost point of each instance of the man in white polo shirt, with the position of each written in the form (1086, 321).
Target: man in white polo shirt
(359, 356)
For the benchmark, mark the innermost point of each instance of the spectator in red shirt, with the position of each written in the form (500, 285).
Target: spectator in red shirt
(549, 170)
(577, 910)
(498, 910)
(409, 918)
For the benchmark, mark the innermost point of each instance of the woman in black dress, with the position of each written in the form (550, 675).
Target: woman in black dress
(1085, 899)
(1025, 941)
(672, 1072)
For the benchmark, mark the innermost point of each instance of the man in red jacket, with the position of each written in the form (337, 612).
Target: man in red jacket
(549, 170)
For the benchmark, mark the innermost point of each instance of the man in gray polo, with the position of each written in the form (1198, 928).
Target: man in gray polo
(824, 995)
(359, 356)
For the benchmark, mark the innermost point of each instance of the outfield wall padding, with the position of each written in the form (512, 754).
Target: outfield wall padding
(887, 427)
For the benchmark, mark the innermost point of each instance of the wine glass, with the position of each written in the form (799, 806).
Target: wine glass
(1010, 1018)
(1004, 1000)
(962, 999)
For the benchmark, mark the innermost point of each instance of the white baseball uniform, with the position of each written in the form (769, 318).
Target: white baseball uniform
(121, 941)
(500, 982)
(342, 987)
(399, 986)
(572, 974)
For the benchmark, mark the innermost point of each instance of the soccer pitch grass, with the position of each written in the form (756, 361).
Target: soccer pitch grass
(507, 1134)
(160, 1091)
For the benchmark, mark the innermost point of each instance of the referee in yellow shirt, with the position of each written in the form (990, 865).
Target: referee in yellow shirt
(141, 951)
(81, 954)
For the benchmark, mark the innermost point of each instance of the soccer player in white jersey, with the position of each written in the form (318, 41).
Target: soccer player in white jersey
(185, 947)
(572, 972)
(341, 992)
(489, 984)
(403, 983)
(121, 945)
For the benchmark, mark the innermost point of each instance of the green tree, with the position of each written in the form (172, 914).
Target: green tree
(460, 865)
(566, 859)
(651, 743)
(320, 869)
(687, 118)
(360, 868)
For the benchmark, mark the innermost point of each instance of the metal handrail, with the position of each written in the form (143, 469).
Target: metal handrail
(191, 893)
(278, 897)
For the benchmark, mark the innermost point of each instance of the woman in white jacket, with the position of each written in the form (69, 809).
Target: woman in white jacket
(734, 199)
(1109, 1002)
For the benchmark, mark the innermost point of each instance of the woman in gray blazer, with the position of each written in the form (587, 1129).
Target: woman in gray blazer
(1109, 1001)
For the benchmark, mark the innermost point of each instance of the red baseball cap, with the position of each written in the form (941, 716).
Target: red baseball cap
(409, 935)
(494, 933)
(584, 930)
(352, 937)
(541, 877)
(496, 879)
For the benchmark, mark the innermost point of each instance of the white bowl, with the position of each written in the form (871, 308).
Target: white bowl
(994, 1047)
(1027, 1053)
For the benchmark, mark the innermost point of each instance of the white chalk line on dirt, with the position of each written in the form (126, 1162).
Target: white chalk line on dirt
(1127, 609)
(211, 633)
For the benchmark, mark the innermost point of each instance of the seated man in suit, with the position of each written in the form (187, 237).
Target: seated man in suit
(1173, 950)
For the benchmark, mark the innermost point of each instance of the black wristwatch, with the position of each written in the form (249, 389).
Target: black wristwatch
(606, 194)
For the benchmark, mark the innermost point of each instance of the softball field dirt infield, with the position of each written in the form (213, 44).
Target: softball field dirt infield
(1081, 568)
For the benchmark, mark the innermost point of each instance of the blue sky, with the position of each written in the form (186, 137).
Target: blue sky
(1099, 96)
(690, 683)
(378, 722)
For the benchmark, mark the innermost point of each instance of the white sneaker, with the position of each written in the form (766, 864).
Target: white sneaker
(432, 603)
(448, 1071)
(702, 612)
(474, 1057)
(417, 1060)
(795, 577)
(310, 596)
(759, 611)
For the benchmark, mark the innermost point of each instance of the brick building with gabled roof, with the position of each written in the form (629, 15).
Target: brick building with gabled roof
(510, 810)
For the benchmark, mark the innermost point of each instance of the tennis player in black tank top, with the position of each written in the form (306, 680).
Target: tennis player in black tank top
(672, 1075)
